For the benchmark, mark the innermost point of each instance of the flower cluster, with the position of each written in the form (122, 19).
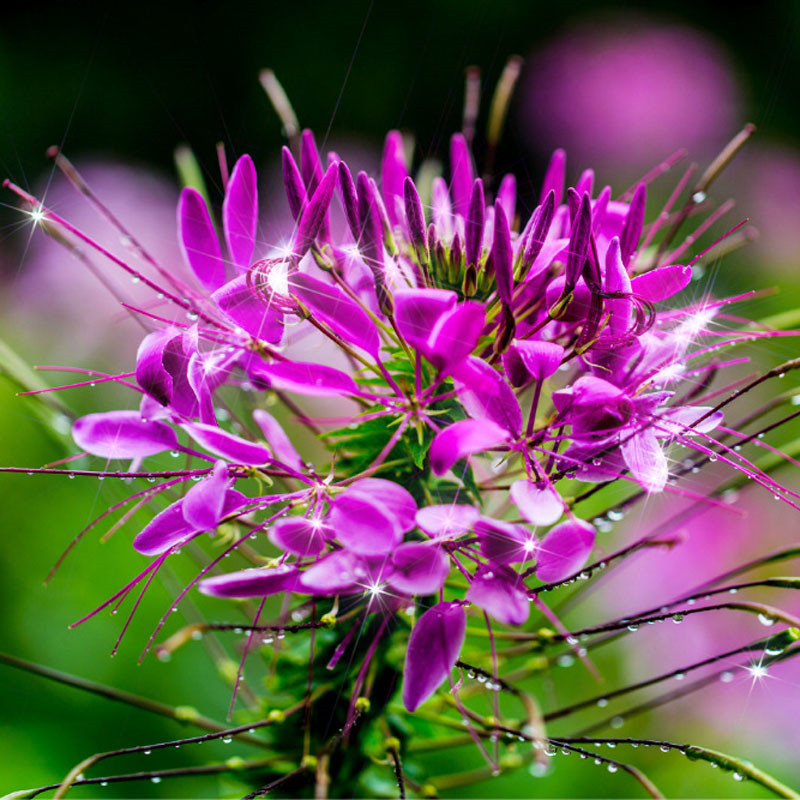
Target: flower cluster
(480, 363)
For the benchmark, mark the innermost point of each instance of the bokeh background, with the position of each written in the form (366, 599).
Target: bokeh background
(620, 86)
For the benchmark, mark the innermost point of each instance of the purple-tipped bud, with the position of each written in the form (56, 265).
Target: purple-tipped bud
(456, 251)
(473, 228)
(313, 214)
(507, 195)
(600, 207)
(371, 243)
(415, 218)
(462, 173)
(578, 240)
(541, 227)
(573, 204)
(293, 183)
(554, 177)
(393, 172)
(632, 227)
(502, 256)
(310, 163)
(349, 200)
(585, 182)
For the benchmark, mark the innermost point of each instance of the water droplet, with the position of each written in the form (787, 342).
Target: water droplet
(598, 761)
(155, 779)
(677, 618)
(612, 767)
(565, 660)
(147, 752)
(571, 640)
(617, 722)
(602, 702)
(664, 748)
(191, 315)
(679, 676)
(104, 783)
(615, 515)
(732, 591)
(633, 627)
(699, 197)
(764, 619)
(737, 776)
(495, 772)
(726, 677)
(71, 476)
(773, 649)
(227, 740)
(612, 745)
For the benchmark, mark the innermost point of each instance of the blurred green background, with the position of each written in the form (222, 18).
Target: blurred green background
(127, 84)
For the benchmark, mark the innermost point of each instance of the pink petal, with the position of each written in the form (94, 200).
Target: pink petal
(393, 172)
(505, 542)
(312, 380)
(242, 303)
(228, 446)
(433, 649)
(417, 310)
(301, 536)
(541, 359)
(203, 503)
(540, 505)
(645, 459)
(455, 335)
(564, 550)
(256, 582)
(198, 240)
(122, 434)
(447, 521)
(485, 395)
(661, 283)
(419, 568)
(464, 438)
(363, 524)
(332, 306)
(396, 500)
(240, 212)
(499, 591)
(276, 437)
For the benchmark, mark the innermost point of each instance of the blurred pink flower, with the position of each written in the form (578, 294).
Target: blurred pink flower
(626, 92)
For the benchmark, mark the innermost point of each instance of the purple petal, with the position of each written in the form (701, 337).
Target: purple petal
(473, 226)
(634, 221)
(276, 437)
(256, 582)
(310, 162)
(122, 434)
(502, 255)
(579, 241)
(342, 572)
(514, 367)
(417, 310)
(564, 550)
(538, 234)
(198, 240)
(301, 536)
(416, 219)
(349, 200)
(585, 182)
(203, 503)
(541, 359)
(507, 195)
(485, 395)
(499, 591)
(240, 212)
(419, 568)
(661, 283)
(395, 499)
(313, 214)
(293, 183)
(441, 210)
(463, 439)
(446, 521)
(333, 307)
(228, 446)
(683, 420)
(617, 280)
(363, 524)
(455, 335)
(433, 649)
(645, 459)
(393, 172)
(167, 528)
(150, 372)
(554, 177)
(312, 380)
(462, 173)
(371, 241)
(504, 542)
(249, 310)
(540, 505)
